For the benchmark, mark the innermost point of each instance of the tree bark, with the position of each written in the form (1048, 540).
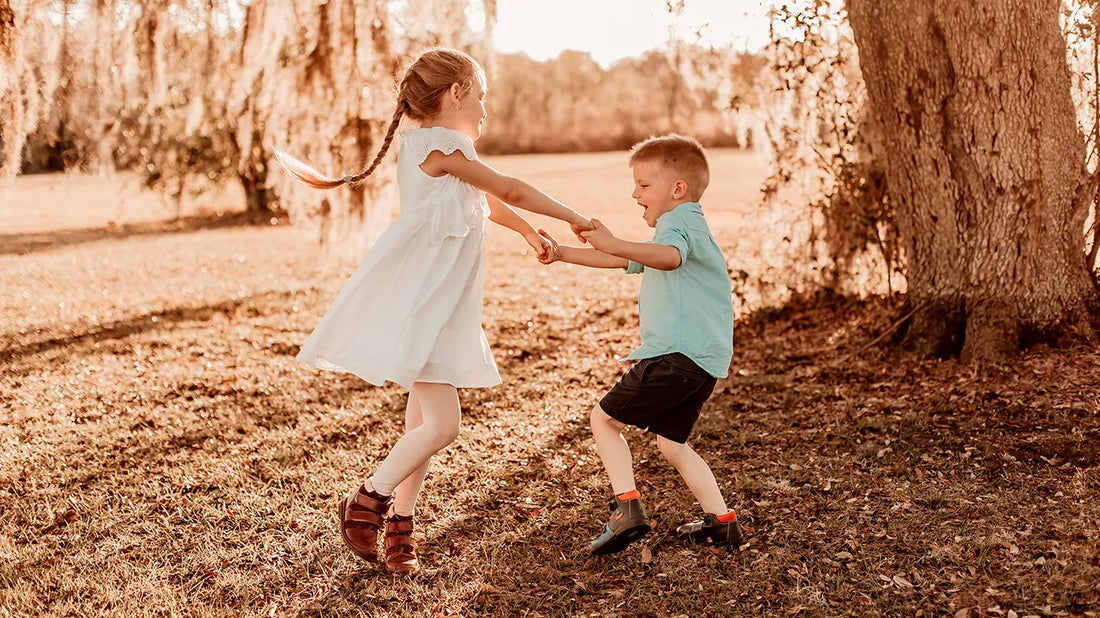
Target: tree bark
(986, 169)
(12, 132)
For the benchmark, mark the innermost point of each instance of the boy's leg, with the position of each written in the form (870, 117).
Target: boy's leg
(614, 451)
(696, 473)
(719, 524)
(404, 501)
(628, 521)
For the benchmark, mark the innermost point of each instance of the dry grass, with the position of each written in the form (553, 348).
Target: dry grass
(164, 454)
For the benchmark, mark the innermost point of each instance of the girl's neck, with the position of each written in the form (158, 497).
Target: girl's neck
(441, 120)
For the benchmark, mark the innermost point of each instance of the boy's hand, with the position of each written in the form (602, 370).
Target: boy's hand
(581, 225)
(554, 254)
(599, 236)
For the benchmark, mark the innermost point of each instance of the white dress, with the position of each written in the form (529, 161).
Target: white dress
(411, 312)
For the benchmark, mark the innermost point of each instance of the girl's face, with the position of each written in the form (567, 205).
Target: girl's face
(470, 110)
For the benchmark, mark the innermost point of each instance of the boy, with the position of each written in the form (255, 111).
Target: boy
(687, 338)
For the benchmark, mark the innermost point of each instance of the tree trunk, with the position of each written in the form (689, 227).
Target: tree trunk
(986, 170)
(317, 81)
(11, 104)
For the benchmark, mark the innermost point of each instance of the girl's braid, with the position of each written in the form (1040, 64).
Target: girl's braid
(402, 107)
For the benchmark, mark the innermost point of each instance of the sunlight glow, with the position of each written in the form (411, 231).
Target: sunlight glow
(613, 29)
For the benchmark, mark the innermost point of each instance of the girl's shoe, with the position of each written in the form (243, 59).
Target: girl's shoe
(628, 523)
(400, 545)
(361, 515)
(719, 533)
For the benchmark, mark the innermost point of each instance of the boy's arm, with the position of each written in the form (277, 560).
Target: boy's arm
(583, 256)
(650, 255)
(586, 256)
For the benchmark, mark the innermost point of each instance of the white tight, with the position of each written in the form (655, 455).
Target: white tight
(432, 418)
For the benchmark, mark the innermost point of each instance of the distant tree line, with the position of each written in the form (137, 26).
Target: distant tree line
(572, 104)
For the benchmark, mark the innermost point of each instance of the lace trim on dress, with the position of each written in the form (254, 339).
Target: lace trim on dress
(422, 142)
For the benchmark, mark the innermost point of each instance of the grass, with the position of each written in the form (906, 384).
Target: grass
(163, 454)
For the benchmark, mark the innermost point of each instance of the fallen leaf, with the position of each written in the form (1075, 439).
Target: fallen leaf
(647, 555)
(901, 581)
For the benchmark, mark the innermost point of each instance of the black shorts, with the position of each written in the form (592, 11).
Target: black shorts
(662, 395)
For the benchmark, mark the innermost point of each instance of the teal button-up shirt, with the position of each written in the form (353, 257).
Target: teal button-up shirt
(689, 309)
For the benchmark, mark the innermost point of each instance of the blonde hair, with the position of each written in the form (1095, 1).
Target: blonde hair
(681, 155)
(420, 97)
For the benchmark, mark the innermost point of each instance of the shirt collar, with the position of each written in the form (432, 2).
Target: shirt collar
(684, 208)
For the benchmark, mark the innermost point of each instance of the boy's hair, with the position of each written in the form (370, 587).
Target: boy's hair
(420, 97)
(679, 154)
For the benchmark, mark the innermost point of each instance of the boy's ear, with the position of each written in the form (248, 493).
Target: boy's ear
(680, 189)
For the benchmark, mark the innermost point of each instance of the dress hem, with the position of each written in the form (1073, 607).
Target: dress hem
(378, 381)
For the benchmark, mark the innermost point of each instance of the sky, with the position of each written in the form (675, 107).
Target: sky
(613, 29)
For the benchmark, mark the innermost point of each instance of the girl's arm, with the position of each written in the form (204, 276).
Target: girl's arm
(503, 214)
(508, 189)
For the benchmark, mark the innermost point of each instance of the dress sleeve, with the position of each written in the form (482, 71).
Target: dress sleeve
(448, 215)
(423, 143)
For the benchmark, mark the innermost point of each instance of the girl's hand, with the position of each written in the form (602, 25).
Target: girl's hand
(581, 225)
(542, 245)
(600, 236)
(555, 250)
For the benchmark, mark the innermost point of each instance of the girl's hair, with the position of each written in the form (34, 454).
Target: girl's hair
(420, 97)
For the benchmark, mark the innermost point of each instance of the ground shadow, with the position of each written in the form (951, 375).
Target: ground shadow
(138, 324)
(23, 244)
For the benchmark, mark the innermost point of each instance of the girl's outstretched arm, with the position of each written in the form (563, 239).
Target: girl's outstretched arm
(503, 214)
(508, 189)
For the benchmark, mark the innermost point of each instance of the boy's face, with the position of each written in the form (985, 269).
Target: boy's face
(656, 191)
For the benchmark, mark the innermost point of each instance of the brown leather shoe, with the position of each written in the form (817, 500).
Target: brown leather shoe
(400, 545)
(360, 516)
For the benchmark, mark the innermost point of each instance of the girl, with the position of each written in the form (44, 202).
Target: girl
(411, 312)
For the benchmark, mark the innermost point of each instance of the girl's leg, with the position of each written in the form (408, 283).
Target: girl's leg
(441, 415)
(404, 501)
(696, 473)
(613, 450)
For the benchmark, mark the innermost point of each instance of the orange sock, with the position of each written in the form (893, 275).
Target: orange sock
(728, 517)
(633, 494)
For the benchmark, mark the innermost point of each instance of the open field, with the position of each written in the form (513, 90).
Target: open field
(163, 454)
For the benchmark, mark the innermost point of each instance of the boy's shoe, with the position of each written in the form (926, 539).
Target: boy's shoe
(711, 529)
(628, 523)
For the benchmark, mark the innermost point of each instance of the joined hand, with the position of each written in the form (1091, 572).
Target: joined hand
(599, 236)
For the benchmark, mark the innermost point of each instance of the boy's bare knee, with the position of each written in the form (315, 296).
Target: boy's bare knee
(672, 451)
(597, 416)
(599, 419)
